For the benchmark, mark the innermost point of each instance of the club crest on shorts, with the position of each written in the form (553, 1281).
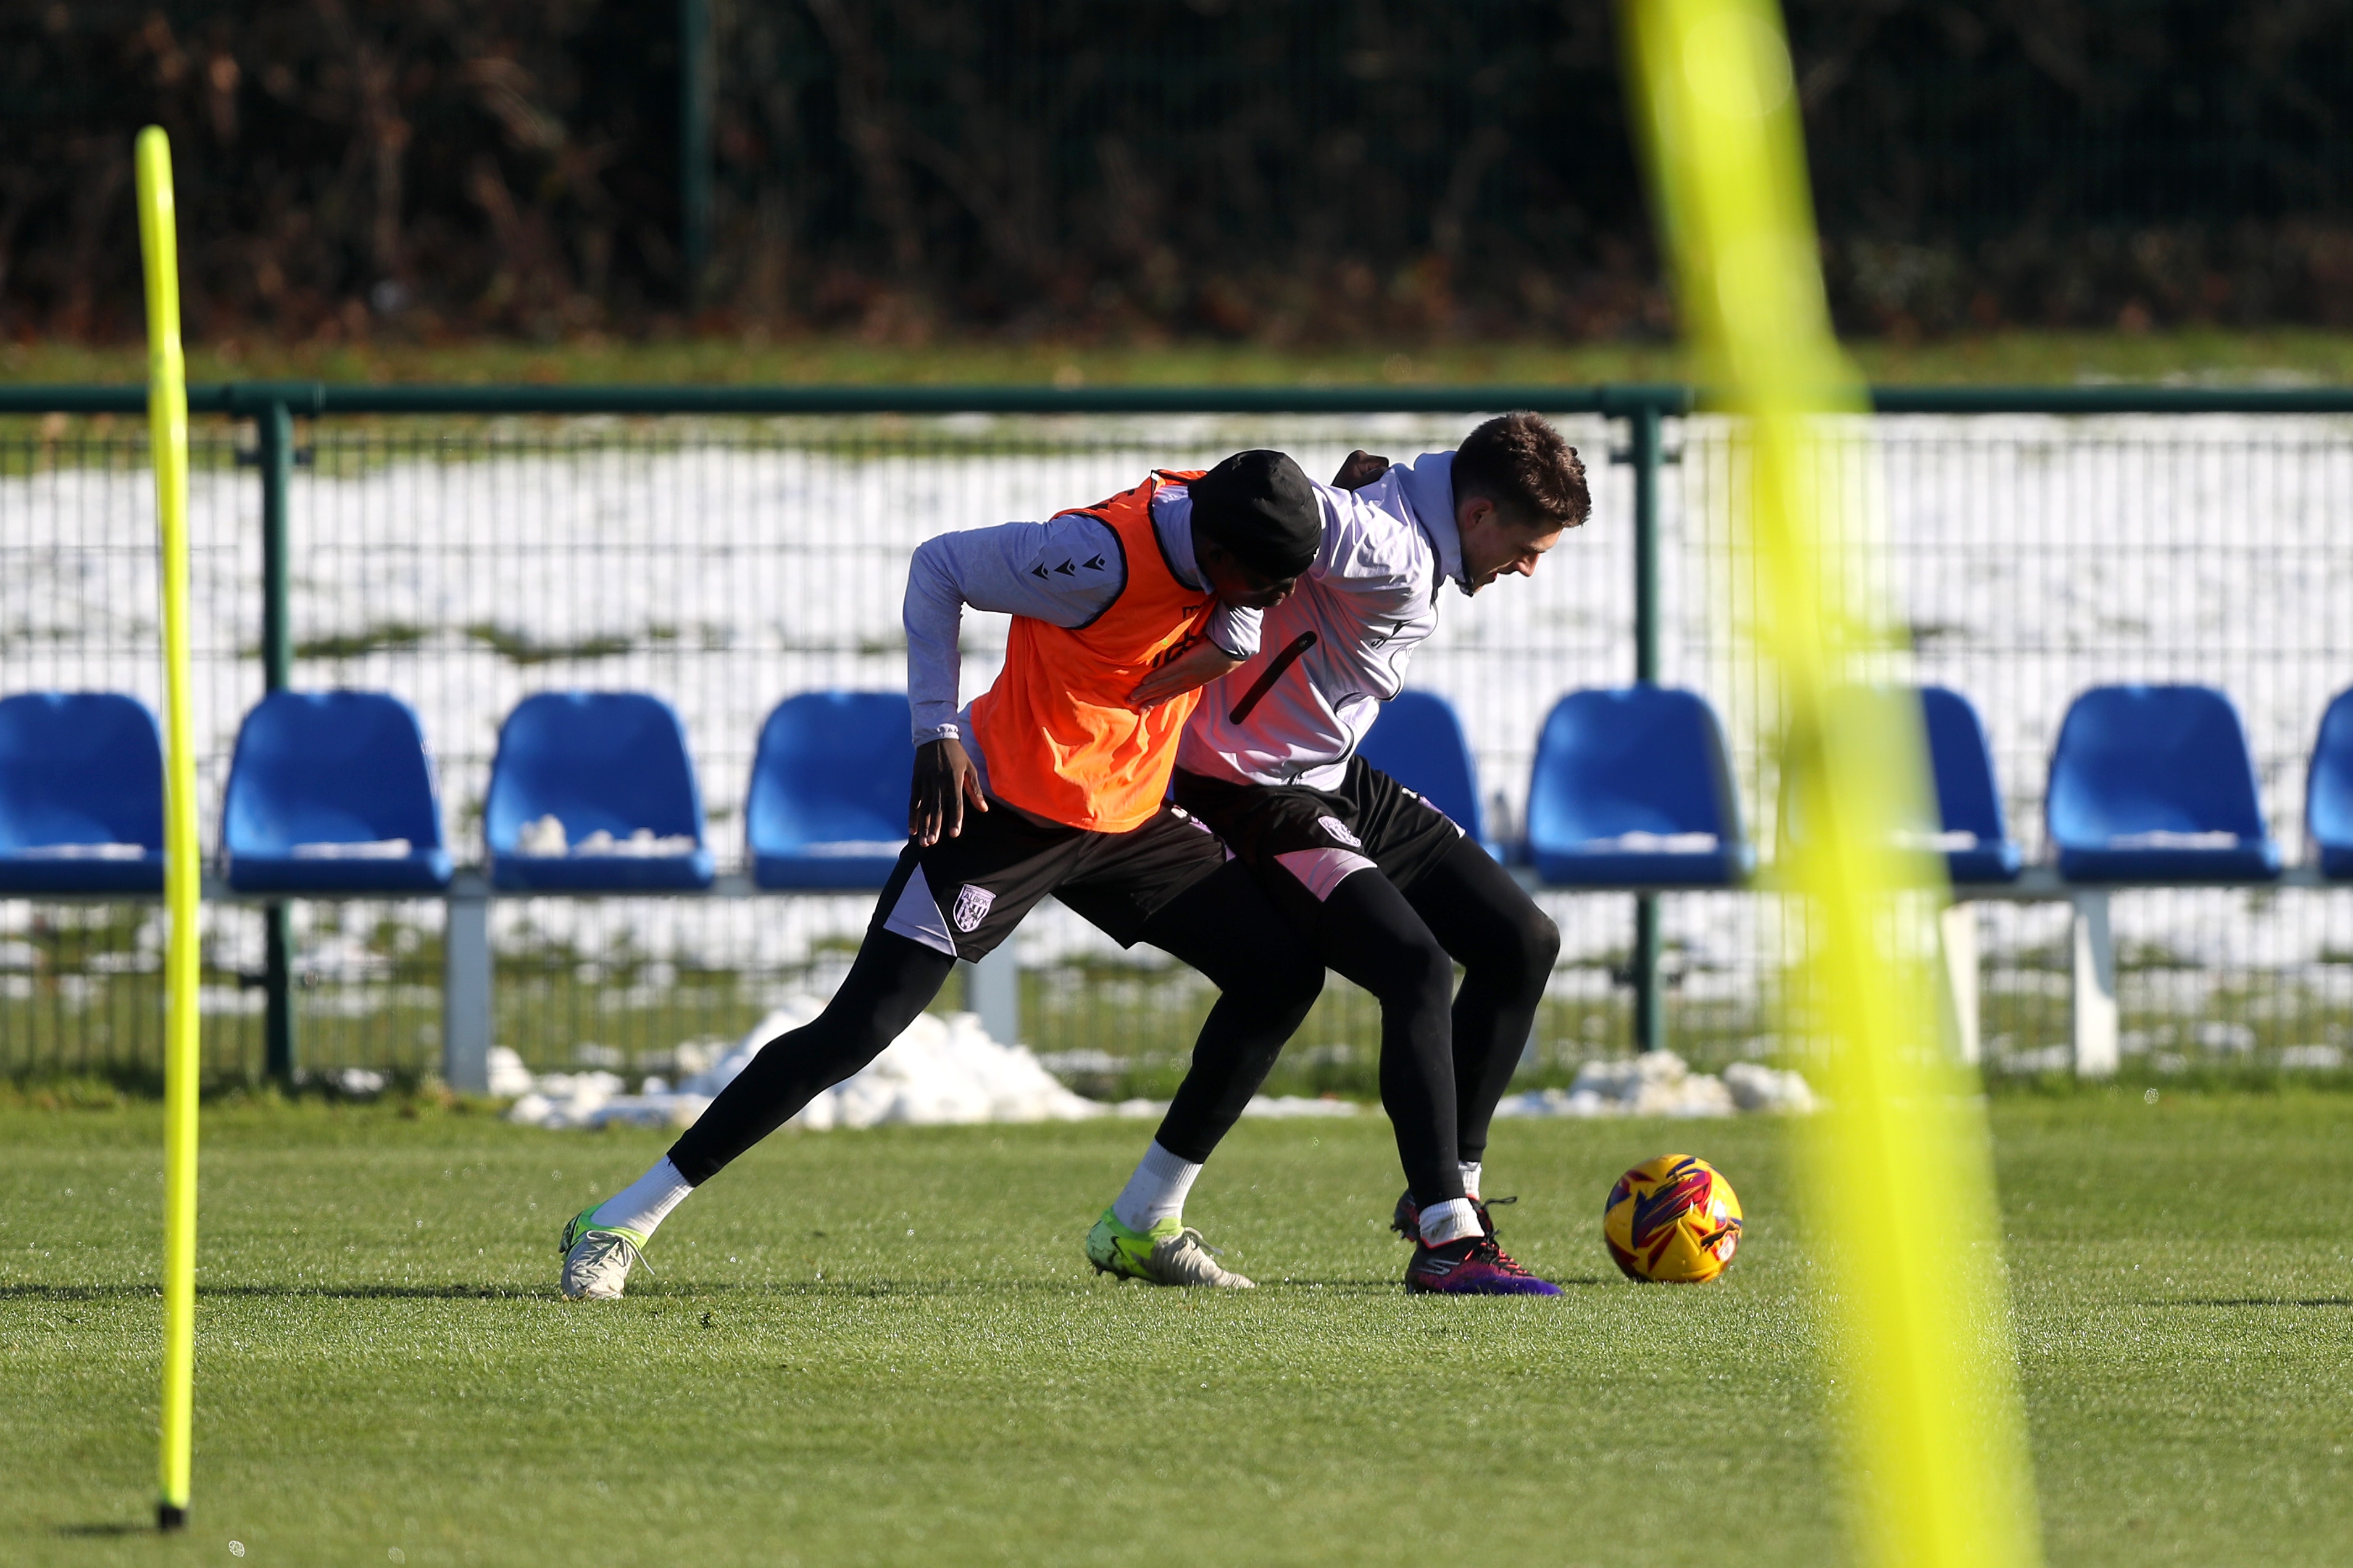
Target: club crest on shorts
(972, 907)
(1337, 829)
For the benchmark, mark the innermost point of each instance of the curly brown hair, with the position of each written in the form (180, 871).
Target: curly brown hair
(1520, 462)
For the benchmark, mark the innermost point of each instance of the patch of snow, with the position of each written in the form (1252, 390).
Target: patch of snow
(354, 849)
(1944, 840)
(1755, 1087)
(1659, 1083)
(508, 1077)
(939, 1072)
(2222, 1035)
(644, 843)
(543, 838)
(2165, 839)
(1639, 843)
(1292, 1105)
(79, 852)
(1091, 1060)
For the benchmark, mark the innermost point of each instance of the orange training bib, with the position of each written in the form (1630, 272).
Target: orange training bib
(1059, 736)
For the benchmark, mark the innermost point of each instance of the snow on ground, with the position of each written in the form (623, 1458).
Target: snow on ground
(947, 1071)
(725, 569)
(943, 1071)
(1659, 1084)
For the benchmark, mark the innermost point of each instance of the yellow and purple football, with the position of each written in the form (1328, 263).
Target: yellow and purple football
(1674, 1220)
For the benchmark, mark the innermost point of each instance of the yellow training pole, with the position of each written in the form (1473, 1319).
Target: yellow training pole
(1899, 1173)
(167, 417)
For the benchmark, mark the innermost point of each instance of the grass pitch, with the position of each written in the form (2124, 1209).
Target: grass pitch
(885, 1347)
(2012, 356)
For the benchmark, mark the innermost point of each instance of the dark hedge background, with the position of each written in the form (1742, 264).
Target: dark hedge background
(1278, 169)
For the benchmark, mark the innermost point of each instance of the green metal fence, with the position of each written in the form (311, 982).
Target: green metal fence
(724, 546)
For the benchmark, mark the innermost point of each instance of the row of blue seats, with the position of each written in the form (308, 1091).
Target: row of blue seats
(2148, 785)
(331, 793)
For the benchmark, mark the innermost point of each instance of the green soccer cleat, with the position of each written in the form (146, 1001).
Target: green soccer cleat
(597, 1259)
(1170, 1253)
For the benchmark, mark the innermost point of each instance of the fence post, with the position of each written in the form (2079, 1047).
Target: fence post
(1642, 420)
(1957, 924)
(992, 988)
(694, 63)
(466, 1021)
(273, 426)
(2095, 988)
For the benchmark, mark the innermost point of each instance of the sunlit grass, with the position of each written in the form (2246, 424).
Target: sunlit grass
(383, 1364)
(2290, 355)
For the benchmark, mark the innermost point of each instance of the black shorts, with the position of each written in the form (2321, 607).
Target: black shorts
(1301, 842)
(964, 895)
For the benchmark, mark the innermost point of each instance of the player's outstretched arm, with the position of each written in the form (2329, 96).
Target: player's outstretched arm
(945, 780)
(1202, 663)
(1062, 572)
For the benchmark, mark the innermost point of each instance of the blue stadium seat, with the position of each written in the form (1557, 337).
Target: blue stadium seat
(330, 792)
(1632, 788)
(827, 807)
(1976, 842)
(1418, 741)
(1971, 831)
(2328, 795)
(2155, 783)
(591, 792)
(81, 794)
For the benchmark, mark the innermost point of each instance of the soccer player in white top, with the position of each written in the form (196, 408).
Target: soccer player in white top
(1388, 889)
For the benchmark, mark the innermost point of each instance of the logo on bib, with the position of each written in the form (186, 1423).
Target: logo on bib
(1333, 826)
(972, 907)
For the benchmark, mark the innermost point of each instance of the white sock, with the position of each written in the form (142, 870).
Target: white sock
(1156, 1191)
(646, 1202)
(1450, 1221)
(1470, 1180)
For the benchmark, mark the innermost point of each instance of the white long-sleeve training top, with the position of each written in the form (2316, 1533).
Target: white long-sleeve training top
(1065, 571)
(1336, 650)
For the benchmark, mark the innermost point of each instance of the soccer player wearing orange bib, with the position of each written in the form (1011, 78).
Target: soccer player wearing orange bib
(1055, 781)
(1387, 889)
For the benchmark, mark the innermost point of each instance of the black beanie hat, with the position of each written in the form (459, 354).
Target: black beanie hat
(1261, 508)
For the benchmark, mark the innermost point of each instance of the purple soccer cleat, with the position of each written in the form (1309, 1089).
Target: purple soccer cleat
(1474, 1266)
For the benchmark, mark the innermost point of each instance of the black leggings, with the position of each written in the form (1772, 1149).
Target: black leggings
(1443, 1069)
(1222, 925)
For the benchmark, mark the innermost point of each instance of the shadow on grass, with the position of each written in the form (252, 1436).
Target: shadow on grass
(2258, 1302)
(778, 1289)
(106, 1530)
(1386, 1286)
(653, 1290)
(686, 1290)
(219, 1292)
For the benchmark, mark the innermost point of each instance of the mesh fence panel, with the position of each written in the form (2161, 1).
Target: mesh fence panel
(2029, 558)
(726, 565)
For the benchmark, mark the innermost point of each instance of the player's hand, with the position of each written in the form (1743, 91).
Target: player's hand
(1197, 666)
(944, 779)
(1361, 469)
